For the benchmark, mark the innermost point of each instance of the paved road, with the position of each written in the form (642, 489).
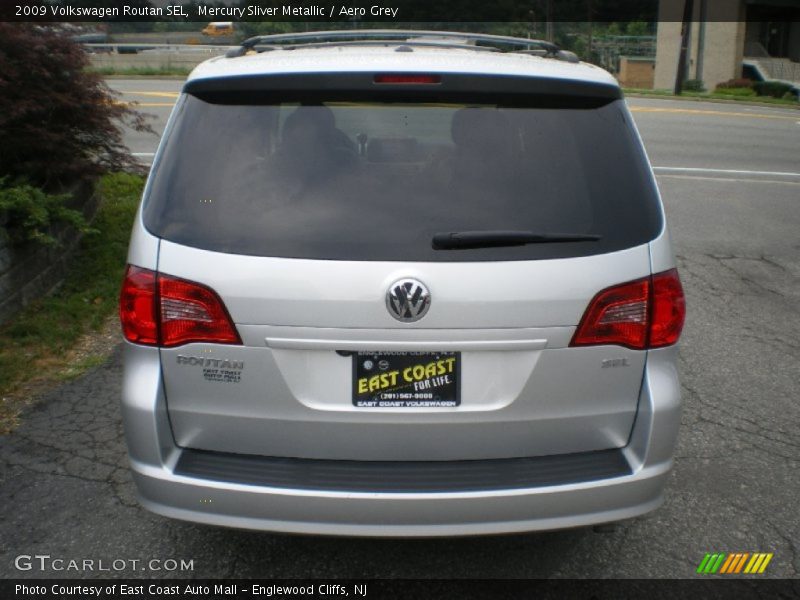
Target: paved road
(66, 490)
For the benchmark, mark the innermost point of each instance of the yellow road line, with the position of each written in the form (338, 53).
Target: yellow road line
(718, 113)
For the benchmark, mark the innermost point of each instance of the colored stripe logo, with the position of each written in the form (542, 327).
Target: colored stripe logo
(729, 563)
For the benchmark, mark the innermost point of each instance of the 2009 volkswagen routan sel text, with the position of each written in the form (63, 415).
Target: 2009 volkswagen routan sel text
(400, 284)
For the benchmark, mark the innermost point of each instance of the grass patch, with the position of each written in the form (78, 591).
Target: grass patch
(741, 92)
(80, 366)
(734, 96)
(141, 71)
(36, 344)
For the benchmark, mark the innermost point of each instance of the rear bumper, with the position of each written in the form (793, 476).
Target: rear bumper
(408, 514)
(180, 484)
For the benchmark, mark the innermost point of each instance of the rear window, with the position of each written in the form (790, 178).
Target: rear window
(360, 180)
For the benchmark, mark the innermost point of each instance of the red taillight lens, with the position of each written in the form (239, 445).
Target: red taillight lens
(412, 78)
(641, 314)
(166, 311)
(191, 312)
(617, 315)
(137, 306)
(668, 310)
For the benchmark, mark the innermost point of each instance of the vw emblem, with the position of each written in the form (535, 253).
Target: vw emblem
(408, 300)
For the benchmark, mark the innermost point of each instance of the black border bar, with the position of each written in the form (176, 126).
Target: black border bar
(363, 12)
(406, 589)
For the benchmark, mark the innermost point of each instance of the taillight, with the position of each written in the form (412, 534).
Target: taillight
(668, 309)
(160, 310)
(191, 312)
(137, 306)
(617, 315)
(641, 314)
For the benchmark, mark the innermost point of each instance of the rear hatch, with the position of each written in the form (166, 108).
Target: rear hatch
(312, 214)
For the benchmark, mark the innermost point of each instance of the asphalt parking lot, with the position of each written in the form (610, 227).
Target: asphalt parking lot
(730, 179)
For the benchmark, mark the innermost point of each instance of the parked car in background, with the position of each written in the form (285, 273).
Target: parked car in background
(218, 29)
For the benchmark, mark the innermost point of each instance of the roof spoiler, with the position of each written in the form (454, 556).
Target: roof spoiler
(405, 38)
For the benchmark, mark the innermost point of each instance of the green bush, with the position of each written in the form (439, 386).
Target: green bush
(693, 85)
(29, 213)
(775, 89)
(45, 330)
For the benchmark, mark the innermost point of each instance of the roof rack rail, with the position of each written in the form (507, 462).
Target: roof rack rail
(406, 37)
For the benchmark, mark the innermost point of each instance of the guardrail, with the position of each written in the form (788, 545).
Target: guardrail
(151, 56)
(112, 46)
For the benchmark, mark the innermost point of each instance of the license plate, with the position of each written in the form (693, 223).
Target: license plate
(406, 379)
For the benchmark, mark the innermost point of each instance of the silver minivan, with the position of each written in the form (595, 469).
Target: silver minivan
(400, 283)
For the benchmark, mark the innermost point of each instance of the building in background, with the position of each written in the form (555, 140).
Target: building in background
(728, 37)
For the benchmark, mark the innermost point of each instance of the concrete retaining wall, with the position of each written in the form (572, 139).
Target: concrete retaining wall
(29, 271)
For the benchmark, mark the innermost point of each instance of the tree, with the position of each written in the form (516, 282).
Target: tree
(639, 28)
(58, 122)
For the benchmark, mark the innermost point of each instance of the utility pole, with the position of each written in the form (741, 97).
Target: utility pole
(701, 41)
(686, 28)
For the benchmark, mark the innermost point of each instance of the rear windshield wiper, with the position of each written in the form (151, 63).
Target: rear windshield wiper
(463, 240)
